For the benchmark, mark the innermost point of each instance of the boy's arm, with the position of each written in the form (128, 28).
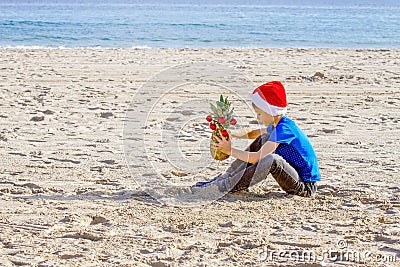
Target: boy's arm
(247, 133)
(254, 157)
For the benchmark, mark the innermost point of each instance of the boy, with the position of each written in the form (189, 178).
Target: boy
(281, 150)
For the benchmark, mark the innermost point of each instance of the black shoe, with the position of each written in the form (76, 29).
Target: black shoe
(203, 184)
(209, 188)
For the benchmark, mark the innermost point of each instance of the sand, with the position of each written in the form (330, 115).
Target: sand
(68, 198)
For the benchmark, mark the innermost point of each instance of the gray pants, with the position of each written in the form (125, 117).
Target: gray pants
(241, 175)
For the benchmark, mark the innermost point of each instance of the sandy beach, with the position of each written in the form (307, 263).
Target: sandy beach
(68, 198)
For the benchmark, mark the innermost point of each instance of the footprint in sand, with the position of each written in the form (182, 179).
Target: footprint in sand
(83, 235)
(100, 220)
(37, 118)
(106, 115)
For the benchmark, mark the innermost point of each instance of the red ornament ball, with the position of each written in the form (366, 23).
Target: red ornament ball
(209, 118)
(224, 133)
(233, 121)
(222, 120)
(213, 126)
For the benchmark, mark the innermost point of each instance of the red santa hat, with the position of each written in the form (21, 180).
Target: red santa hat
(271, 98)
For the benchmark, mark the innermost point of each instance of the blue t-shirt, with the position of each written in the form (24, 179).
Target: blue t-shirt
(295, 148)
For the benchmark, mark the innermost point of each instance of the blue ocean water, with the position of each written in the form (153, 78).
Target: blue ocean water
(200, 24)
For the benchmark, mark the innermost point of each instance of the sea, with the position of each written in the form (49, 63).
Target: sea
(363, 24)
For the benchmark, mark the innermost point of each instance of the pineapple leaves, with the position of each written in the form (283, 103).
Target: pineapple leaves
(230, 113)
(222, 109)
(214, 108)
(221, 105)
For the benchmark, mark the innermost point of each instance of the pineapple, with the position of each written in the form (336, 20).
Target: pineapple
(220, 119)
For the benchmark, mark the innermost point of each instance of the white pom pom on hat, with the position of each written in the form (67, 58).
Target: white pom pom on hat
(271, 98)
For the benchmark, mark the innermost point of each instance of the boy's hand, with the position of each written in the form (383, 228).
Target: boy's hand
(222, 144)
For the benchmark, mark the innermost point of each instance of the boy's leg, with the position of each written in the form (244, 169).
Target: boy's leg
(289, 180)
(240, 168)
(238, 165)
(286, 176)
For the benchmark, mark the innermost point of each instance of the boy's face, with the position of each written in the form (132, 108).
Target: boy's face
(263, 116)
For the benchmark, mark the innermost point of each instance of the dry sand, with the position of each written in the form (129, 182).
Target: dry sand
(67, 197)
